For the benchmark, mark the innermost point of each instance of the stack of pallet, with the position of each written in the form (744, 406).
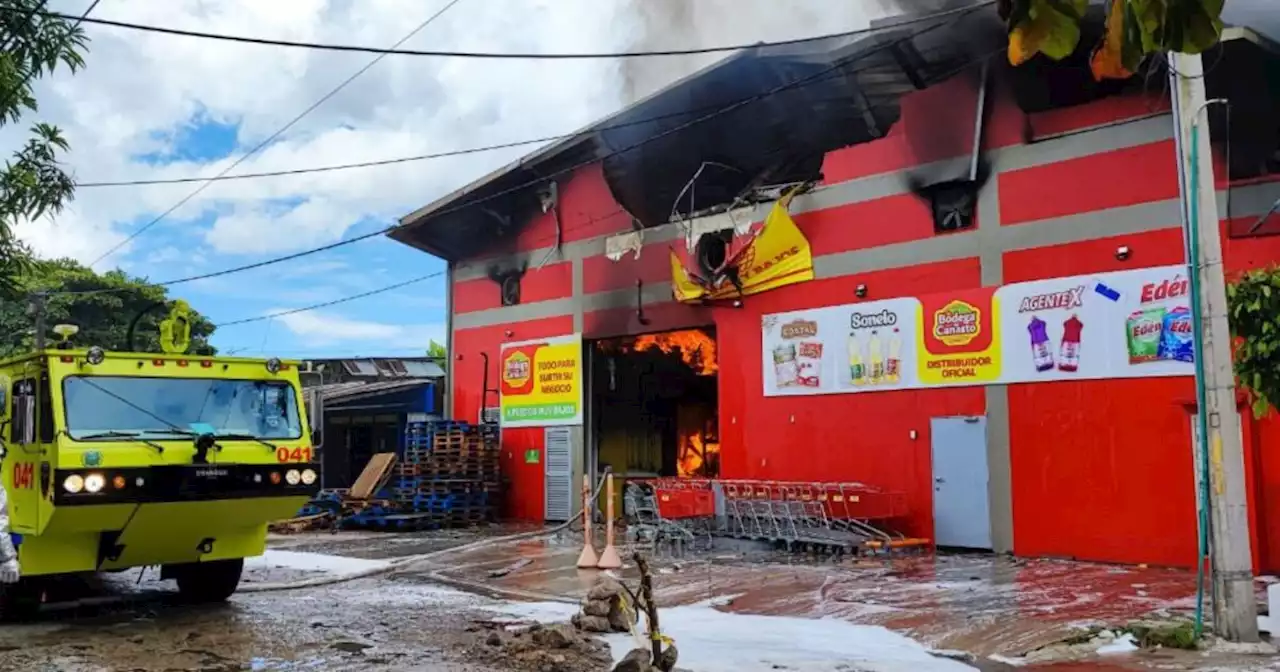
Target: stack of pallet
(449, 475)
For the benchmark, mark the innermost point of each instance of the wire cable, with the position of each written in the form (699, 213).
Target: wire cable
(422, 157)
(570, 169)
(269, 139)
(474, 54)
(326, 304)
(398, 285)
(403, 159)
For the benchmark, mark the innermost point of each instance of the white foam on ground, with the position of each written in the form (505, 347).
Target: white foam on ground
(312, 562)
(1122, 644)
(710, 640)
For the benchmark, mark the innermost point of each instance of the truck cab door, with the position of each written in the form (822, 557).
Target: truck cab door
(22, 459)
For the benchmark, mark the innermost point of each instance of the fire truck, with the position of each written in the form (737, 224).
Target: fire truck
(117, 460)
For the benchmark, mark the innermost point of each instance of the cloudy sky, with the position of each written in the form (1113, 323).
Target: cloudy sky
(152, 106)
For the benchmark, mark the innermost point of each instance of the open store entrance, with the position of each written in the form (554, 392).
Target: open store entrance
(654, 405)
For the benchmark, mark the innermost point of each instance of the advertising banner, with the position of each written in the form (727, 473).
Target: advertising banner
(1126, 324)
(1129, 324)
(855, 348)
(541, 382)
(777, 255)
(960, 339)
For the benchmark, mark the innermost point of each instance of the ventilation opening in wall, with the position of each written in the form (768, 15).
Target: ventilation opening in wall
(655, 404)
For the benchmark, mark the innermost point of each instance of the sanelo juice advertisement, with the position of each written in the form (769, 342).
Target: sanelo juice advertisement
(541, 382)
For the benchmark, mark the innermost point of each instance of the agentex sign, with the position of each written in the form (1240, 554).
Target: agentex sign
(1126, 324)
(541, 382)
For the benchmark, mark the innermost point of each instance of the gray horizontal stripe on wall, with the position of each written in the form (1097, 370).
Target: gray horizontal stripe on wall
(1067, 147)
(986, 241)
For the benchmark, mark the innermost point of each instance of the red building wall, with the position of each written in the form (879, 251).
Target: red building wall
(1100, 470)
(847, 437)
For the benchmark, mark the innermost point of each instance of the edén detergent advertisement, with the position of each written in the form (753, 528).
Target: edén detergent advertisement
(1124, 324)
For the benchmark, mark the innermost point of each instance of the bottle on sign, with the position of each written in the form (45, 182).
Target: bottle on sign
(875, 353)
(1069, 352)
(857, 372)
(1041, 354)
(893, 368)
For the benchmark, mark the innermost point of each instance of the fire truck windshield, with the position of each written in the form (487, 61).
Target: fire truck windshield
(160, 408)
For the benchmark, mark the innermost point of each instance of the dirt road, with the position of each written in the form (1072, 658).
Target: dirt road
(367, 625)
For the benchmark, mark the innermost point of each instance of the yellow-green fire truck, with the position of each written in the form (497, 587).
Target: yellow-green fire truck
(115, 460)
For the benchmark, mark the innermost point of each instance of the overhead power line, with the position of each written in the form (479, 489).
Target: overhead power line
(411, 159)
(570, 169)
(326, 304)
(465, 54)
(269, 139)
(397, 285)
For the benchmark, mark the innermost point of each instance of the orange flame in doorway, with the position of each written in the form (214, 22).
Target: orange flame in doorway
(695, 456)
(697, 349)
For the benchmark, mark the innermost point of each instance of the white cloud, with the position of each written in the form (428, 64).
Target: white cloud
(139, 89)
(325, 330)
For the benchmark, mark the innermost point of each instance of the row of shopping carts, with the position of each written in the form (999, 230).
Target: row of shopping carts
(835, 517)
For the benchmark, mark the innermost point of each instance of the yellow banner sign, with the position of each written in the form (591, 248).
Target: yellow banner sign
(779, 255)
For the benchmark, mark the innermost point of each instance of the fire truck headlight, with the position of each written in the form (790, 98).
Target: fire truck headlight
(94, 483)
(292, 477)
(273, 366)
(73, 484)
(96, 355)
(308, 476)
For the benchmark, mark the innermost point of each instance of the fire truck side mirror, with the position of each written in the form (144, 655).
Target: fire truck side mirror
(315, 417)
(24, 425)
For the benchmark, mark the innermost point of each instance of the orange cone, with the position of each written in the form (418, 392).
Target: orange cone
(588, 559)
(609, 559)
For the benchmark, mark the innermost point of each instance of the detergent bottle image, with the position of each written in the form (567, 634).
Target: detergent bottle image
(1041, 354)
(1069, 352)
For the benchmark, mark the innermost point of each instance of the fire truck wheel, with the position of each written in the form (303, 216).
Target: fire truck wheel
(20, 601)
(206, 582)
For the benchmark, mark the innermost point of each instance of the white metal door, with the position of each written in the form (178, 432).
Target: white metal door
(559, 474)
(961, 512)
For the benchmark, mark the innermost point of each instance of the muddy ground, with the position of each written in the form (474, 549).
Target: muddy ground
(406, 620)
(388, 623)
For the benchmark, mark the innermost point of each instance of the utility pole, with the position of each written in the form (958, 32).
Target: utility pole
(37, 314)
(1234, 605)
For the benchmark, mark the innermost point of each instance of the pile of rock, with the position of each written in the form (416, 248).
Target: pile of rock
(606, 608)
(538, 648)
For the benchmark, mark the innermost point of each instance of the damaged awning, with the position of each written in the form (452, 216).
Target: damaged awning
(675, 153)
(733, 263)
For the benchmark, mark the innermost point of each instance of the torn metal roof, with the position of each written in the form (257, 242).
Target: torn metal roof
(761, 116)
(741, 112)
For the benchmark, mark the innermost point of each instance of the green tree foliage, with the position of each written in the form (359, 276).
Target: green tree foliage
(1253, 306)
(103, 318)
(32, 182)
(1135, 29)
(436, 350)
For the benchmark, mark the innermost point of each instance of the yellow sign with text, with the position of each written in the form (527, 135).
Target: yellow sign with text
(958, 338)
(779, 255)
(541, 382)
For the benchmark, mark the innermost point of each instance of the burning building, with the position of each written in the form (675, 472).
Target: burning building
(825, 281)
